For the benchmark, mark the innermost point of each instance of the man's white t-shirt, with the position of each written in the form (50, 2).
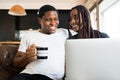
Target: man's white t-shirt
(53, 66)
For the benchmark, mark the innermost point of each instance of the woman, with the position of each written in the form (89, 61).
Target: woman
(80, 22)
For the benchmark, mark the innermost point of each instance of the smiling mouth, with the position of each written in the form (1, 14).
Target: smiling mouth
(74, 26)
(52, 28)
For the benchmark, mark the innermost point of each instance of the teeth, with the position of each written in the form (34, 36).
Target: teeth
(74, 26)
(53, 27)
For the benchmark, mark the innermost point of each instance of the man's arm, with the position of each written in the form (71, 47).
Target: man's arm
(22, 59)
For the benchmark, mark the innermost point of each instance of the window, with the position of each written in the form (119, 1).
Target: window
(109, 18)
(111, 21)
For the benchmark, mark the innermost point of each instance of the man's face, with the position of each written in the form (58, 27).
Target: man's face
(74, 20)
(49, 22)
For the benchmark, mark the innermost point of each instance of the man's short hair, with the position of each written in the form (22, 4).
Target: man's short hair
(45, 9)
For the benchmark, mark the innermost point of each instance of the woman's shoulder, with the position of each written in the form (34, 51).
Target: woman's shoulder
(104, 35)
(101, 34)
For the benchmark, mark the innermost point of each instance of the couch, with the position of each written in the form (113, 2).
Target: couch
(7, 54)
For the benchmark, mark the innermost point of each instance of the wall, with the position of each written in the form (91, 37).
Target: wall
(59, 4)
(7, 26)
(11, 25)
(36, 4)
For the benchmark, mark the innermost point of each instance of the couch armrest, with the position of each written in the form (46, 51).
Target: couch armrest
(7, 53)
(3, 56)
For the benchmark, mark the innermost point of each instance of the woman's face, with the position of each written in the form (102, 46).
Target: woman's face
(74, 20)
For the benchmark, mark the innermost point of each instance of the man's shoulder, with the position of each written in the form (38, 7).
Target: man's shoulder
(61, 29)
(32, 32)
(66, 30)
(28, 33)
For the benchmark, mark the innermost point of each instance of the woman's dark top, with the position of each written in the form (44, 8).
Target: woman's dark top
(101, 35)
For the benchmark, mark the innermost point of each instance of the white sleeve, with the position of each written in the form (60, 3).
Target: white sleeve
(24, 43)
(67, 33)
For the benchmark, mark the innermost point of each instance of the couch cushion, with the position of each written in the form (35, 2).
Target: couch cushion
(7, 53)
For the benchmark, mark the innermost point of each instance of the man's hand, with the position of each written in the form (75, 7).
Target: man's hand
(31, 53)
(22, 59)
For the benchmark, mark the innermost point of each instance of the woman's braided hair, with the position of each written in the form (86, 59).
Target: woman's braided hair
(86, 31)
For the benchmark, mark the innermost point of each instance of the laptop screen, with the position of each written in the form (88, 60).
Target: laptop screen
(93, 59)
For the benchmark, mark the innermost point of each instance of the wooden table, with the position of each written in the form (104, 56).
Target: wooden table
(10, 42)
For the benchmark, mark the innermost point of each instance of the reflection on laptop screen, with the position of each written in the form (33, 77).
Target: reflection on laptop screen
(93, 59)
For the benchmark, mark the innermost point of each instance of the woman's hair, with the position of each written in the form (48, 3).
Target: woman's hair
(86, 31)
(44, 9)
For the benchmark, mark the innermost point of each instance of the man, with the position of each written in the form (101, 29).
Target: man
(51, 68)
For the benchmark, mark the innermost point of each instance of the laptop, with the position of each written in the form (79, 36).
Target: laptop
(93, 59)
